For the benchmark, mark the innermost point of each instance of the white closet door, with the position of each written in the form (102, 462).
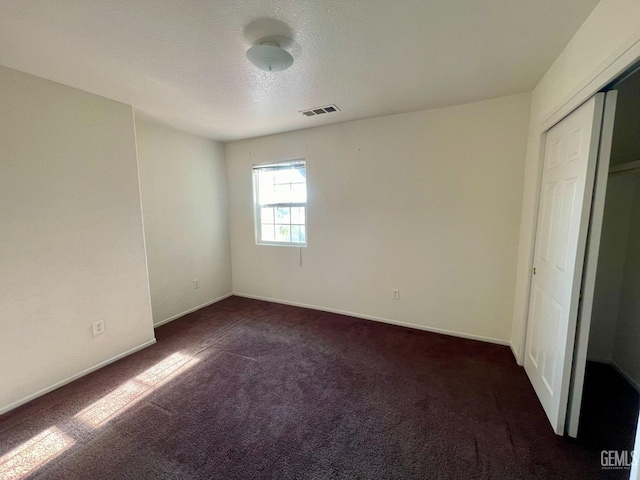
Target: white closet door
(561, 233)
(591, 265)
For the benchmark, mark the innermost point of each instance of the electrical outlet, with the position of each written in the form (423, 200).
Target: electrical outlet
(395, 294)
(196, 283)
(98, 327)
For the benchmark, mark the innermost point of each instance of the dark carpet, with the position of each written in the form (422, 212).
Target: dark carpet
(253, 390)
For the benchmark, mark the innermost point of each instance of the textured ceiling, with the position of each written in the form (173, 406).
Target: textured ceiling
(183, 62)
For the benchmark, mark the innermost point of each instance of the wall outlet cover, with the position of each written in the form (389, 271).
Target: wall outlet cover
(98, 327)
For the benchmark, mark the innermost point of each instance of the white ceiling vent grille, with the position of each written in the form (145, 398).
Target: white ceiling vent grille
(312, 112)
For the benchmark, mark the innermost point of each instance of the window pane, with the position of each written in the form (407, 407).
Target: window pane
(302, 238)
(282, 215)
(281, 186)
(297, 215)
(295, 234)
(281, 176)
(267, 233)
(298, 193)
(266, 215)
(283, 233)
(282, 193)
(290, 175)
(265, 188)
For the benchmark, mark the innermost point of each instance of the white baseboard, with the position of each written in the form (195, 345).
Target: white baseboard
(626, 376)
(442, 331)
(514, 351)
(191, 310)
(78, 375)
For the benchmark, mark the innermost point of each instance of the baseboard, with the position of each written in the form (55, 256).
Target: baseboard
(591, 358)
(378, 319)
(72, 378)
(626, 376)
(191, 310)
(514, 351)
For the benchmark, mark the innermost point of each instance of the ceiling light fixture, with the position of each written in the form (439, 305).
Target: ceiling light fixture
(269, 56)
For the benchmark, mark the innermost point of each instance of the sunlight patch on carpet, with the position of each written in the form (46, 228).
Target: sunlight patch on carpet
(22, 461)
(134, 390)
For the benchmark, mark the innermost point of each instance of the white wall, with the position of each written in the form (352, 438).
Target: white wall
(427, 202)
(184, 199)
(71, 241)
(606, 39)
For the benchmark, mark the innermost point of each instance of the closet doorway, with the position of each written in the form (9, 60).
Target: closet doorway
(610, 397)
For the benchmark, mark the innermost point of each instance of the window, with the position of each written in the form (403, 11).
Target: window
(280, 196)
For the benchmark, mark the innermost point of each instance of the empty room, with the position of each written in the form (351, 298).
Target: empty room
(319, 239)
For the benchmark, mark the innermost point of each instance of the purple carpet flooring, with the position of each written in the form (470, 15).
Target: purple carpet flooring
(246, 389)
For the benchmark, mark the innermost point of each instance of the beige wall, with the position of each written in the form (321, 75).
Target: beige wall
(184, 199)
(603, 42)
(71, 241)
(427, 202)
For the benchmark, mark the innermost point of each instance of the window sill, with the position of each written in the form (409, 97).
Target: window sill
(278, 244)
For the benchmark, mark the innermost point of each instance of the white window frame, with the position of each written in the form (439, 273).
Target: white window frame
(257, 211)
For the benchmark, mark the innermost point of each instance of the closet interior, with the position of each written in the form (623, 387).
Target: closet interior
(611, 398)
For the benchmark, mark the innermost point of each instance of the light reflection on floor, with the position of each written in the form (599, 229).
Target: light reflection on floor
(49, 444)
(33, 454)
(136, 389)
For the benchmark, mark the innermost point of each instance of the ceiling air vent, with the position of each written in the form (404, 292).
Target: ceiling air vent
(320, 110)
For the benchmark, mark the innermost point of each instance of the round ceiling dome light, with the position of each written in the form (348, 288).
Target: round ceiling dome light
(270, 57)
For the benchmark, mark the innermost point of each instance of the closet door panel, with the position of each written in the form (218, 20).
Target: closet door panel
(566, 190)
(591, 266)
